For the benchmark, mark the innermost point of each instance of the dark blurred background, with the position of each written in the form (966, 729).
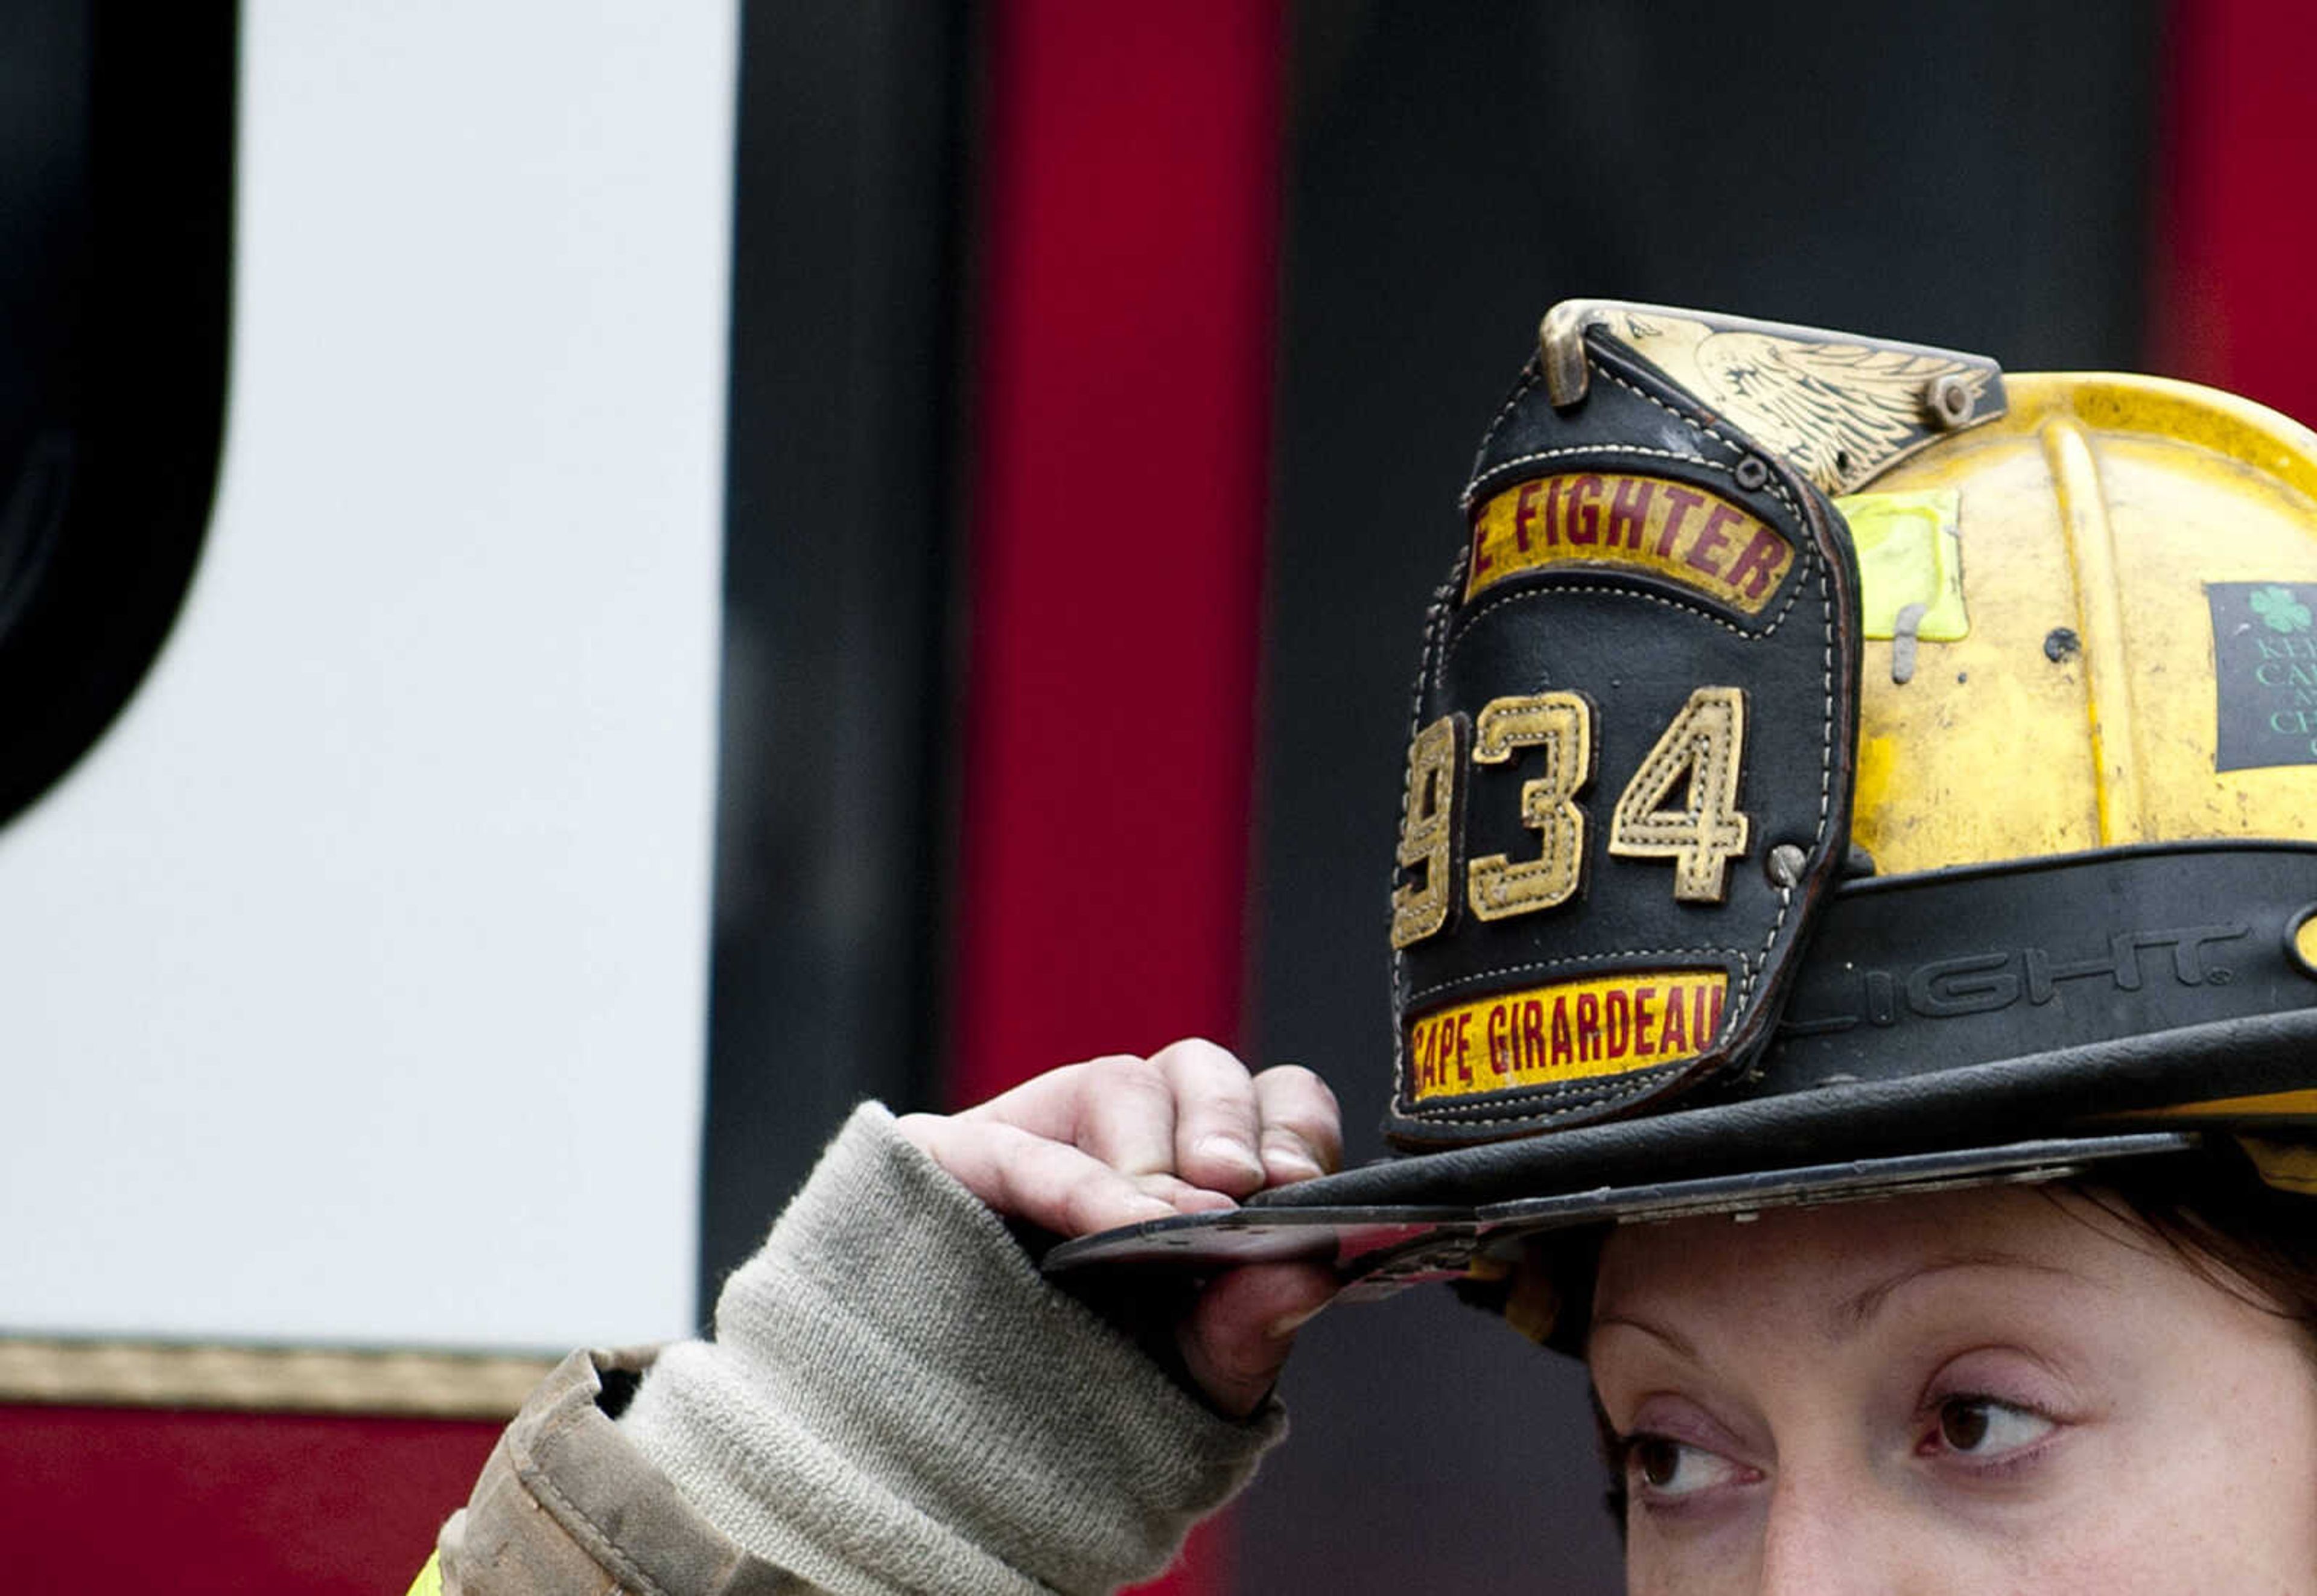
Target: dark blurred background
(1972, 173)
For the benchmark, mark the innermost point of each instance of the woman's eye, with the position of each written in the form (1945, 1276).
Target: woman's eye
(1666, 1468)
(1982, 1427)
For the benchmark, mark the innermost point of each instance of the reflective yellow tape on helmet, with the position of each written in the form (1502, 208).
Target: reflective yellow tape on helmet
(2299, 1103)
(2287, 1166)
(1572, 1030)
(1532, 1306)
(1909, 553)
(429, 1582)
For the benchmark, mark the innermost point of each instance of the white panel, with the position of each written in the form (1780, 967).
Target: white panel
(353, 989)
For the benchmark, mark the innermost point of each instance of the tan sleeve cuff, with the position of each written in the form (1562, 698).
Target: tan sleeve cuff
(896, 1402)
(567, 1504)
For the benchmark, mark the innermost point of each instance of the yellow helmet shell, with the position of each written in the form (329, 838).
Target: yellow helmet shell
(2082, 706)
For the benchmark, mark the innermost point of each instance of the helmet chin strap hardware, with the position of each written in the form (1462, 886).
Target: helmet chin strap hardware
(1903, 642)
(1785, 865)
(1948, 403)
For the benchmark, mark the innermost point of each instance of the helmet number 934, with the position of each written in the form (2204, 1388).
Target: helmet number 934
(1699, 756)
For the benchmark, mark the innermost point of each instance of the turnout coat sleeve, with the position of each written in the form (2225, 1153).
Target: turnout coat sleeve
(894, 1401)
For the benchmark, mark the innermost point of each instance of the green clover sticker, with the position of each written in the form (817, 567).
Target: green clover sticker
(2280, 610)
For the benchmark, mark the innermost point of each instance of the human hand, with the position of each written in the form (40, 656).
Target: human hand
(1116, 1141)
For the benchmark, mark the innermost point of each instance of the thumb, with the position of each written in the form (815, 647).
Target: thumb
(1237, 1336)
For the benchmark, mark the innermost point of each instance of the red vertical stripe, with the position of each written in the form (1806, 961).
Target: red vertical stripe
(1123, 454)
(2237, 226)
(1123, 405)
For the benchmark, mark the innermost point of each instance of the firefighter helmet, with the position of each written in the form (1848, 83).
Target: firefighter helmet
(1837, 767)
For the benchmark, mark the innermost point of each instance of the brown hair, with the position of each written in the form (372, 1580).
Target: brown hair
(2217, 1216)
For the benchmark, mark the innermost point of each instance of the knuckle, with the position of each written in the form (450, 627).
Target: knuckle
(1320, 1131)
(1074, 1075)
(1199, 1053)
(1313, 1124)
(1124, 1077)
(1127, 1076)
(1299, 1082)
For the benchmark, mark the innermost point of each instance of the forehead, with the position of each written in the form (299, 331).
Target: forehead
(1833, 1253)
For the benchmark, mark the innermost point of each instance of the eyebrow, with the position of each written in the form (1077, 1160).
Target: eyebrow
(1671, 1338)
(1853, 1312)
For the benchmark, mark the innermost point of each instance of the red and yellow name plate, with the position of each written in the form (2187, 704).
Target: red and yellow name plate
(1572, 1030)
(1683, 534)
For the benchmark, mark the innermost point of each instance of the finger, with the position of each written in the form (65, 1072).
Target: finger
(1055, 1187)
(1302, 1127)
(1216, 1122)
(1126, 1115)
(1119, 1108)
(1184, 1196)
(1047, 1105)
(1237, 1335)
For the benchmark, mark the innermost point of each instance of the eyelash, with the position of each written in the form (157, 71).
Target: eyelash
(2003, 1463)
(1624, 1464)
(1630, 1487)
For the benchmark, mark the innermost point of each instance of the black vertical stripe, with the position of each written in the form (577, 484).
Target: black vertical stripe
(830, 833)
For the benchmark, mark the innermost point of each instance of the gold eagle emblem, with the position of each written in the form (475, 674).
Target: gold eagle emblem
(1838, 409)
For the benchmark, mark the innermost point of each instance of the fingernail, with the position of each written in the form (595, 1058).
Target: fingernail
(1231, 1149)
(1287, 1325)
(1194, 1199)
(1293, 1164)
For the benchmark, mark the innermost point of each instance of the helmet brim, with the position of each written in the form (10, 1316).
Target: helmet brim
(1379, 1247)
